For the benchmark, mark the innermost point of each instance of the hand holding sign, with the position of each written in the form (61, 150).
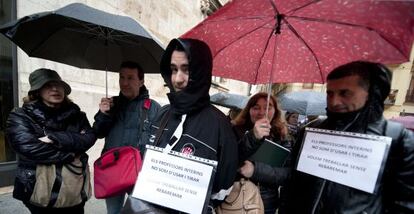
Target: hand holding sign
(172, 181)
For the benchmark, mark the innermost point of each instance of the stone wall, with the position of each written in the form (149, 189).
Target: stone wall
(165, 19)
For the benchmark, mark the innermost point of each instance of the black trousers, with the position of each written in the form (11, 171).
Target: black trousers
(78, 209)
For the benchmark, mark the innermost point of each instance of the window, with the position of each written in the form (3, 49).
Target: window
(208, 7)
(410, 92)
(390, 100)
(6, 82)
(307, 86)
(219, 80)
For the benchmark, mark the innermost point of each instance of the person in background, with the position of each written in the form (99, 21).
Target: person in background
(355, 103)
(252, 127)
(292, 123)
(232, 113)
(48, 129)
(186, 67)
(118, 118)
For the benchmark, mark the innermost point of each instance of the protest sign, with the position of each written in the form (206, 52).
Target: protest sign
(352, 159)
(174, 180)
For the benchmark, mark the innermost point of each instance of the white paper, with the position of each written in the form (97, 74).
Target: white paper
(351, 159)
(173, 182)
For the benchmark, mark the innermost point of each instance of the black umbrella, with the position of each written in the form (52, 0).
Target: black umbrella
(85, 37)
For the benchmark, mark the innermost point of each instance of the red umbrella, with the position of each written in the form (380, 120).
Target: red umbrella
(262, 41)
(407, 121)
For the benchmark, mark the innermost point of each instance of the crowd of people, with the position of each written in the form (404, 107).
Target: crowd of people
(50, 129)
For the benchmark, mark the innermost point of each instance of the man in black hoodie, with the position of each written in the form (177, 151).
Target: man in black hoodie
(186, 67)
(355, 98)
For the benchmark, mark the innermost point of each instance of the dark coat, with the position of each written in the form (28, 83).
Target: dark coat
(395, 190)
(67, 127)
(207, 132)
(122, 126)
(310, 194)
(268, 178)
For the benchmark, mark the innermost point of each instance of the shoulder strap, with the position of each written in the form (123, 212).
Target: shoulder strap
(164, 121)
(393, 130)
(144, 114)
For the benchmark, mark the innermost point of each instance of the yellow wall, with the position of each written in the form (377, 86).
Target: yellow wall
(402, 75)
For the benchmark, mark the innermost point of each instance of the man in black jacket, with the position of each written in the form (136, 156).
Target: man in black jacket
(206, 132)
(355, 95)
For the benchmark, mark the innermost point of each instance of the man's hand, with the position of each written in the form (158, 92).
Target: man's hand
(45, 139)
(261, 128)
(105, 105)
(247, 169)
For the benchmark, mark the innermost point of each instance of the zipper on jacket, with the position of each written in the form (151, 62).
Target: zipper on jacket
(319, 197)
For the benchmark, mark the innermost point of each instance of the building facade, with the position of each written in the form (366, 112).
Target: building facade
(164, 19)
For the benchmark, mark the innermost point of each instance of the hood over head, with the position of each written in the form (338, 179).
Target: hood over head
(196, 94)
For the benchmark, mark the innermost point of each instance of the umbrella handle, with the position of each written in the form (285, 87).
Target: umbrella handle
(106, 62)
(269, 90)
(106, 84)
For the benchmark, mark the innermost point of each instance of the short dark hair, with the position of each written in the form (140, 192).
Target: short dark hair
(362, 69)
(134, 65)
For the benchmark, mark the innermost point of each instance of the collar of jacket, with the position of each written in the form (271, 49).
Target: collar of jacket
(143, 94)
(41, 112)
(356, 121)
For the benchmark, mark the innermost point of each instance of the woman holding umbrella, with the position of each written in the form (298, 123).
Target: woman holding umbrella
(252, 127)
(50, 135)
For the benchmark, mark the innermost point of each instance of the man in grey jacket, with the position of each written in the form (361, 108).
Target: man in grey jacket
(119, 118)
(355, 103)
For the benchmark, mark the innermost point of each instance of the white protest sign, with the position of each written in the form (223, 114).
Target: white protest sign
(351, 159)
(175, 182)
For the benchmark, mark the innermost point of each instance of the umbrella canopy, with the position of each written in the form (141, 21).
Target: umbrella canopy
(407, 121)
(229, 100)
(262, 41)
(85, 37)
(304, 102)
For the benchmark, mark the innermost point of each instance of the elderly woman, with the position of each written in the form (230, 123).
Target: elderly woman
(50, 136)
(253, 127)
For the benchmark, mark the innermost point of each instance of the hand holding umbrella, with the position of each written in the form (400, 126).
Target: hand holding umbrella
(105, 105)
(261, 128)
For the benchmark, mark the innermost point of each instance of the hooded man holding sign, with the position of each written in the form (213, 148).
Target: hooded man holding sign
(355, 95)
(191, 124)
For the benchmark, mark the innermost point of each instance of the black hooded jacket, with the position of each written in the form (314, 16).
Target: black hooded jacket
(395, 194)
(207, 133)
(67, 127)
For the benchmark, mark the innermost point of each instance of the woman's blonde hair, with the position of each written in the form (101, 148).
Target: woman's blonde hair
(278, 123)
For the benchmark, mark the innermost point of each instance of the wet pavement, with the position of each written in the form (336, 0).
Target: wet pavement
(9, 205)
